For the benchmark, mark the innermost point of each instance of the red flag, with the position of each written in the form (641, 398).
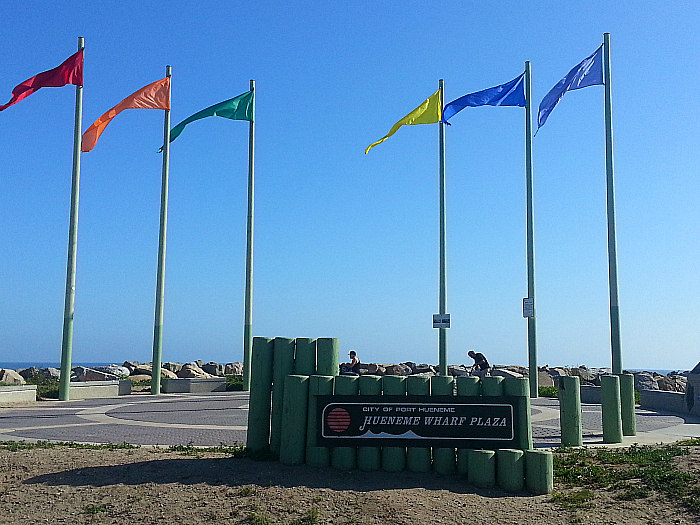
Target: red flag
(70, 72)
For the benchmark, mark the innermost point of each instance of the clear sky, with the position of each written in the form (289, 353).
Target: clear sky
(346, 244)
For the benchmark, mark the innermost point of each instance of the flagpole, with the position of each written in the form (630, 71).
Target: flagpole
(160, 292)
(531, 320)
(248, 300)
(69, 306)
(612, 242)
(442, 342)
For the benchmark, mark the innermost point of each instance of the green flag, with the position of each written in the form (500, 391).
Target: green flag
(241, 107)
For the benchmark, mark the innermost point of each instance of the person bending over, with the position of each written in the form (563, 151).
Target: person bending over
(481, 365)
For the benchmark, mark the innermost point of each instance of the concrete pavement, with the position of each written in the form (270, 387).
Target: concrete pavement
(221, 418)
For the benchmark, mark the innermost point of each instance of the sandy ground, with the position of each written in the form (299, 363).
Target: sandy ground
(144, 486)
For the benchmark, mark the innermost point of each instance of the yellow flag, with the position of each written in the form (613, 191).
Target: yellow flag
(429, 112)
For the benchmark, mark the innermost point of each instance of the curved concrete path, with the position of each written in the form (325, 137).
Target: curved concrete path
(221, 418)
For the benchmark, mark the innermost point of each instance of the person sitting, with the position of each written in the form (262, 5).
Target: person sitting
(481, 365)
(351, 368)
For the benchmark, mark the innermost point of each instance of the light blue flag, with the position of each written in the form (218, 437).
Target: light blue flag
(587, 73)
(509, 94)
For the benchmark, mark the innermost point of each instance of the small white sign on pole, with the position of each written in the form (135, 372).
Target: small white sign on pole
(528, 307)
(441, 320)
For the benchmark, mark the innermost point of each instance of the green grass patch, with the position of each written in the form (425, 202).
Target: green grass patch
(246, 492)
(630, 473)
(237, 451)
(96, 509)
(548, 391)
(310, 518)
(45, 388)
(255, 518)
(143, 382)
(234, 383)
(689, 443)
(15, 446)
(576, 499)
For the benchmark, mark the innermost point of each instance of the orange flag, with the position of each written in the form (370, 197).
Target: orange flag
(153, 96)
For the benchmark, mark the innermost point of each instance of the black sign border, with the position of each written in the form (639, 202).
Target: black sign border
(465, 443)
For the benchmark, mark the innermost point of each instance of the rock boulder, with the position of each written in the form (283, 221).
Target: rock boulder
(10, 377)
(235, 369)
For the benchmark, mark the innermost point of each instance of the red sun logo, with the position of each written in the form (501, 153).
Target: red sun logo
(338, 419)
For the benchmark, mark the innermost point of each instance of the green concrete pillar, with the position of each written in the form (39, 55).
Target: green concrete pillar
(317, 456)
(492, 386)
(462, 461)
(510, 469)
(258, 436)
(370, 458)
(305, 356)
(570, 412)
(394, 458)
(468, 386)
(612, 416)
(444, 459)
(481, 471)
(520, 387)
(418, 458)
(294, 420)
(629, 422)
(327, 353)
(343, 458)
(539, 471)
(282, 366)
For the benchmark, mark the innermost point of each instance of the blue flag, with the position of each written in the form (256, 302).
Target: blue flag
(509, 94)
(587, 73)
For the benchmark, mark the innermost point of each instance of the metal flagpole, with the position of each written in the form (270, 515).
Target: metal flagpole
(612, 243)
(530, 314)
(442, 342)
(160, 292)
(69, 307)
(248, 319)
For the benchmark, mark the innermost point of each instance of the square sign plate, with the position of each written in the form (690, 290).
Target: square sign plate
(441, 320)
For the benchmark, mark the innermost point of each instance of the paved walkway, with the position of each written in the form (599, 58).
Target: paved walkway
(221, 418)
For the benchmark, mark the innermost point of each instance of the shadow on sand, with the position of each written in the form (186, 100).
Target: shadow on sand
(238, 472)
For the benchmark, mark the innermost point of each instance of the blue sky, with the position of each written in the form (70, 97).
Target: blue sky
(346, 245)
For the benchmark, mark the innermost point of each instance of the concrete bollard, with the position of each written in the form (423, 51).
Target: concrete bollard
(370, 458)
(258, 435)
(418, 458)
(294, 420)
(282, 366)
(539, 471)
(344, 458)
(481, 471)
(394, 458)
(468, 386)
(443, 458)
(492, 386)
(317, 456)
(629, 422)
(327, 354)
(510, 469)
(520, 387)
(305, 356)
(570, 412)
(612, 416)
(462, 461)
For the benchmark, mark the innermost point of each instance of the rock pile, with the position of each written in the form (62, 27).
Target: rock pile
(135, 371)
